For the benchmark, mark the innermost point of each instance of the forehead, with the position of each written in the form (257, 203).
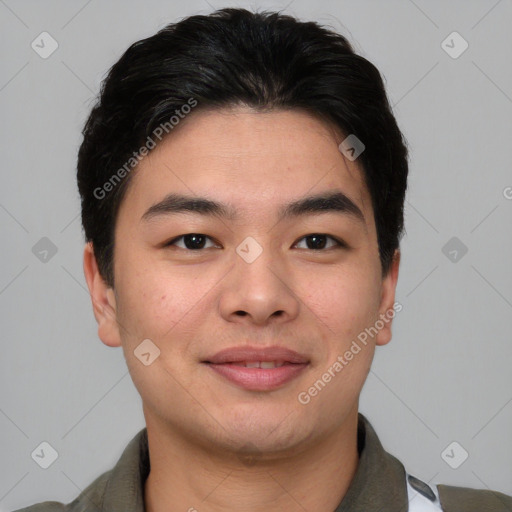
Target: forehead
(252, 160)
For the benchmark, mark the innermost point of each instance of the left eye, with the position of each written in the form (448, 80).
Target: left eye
(192, 241)
(318, 241)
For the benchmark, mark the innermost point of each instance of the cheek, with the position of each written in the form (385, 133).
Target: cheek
(156, 305)
(347, 304)
(156, 302)
(345, 300)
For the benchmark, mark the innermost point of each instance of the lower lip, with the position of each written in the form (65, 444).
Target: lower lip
(258, 379)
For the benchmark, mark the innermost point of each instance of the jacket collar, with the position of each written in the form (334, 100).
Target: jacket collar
(379, 484)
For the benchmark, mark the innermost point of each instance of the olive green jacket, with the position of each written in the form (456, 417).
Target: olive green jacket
(380, 484)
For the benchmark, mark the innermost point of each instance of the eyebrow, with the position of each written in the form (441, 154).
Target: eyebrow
(336, 202)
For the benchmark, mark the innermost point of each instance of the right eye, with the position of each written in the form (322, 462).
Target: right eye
(191, 241)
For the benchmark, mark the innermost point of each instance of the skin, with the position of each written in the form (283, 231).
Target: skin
(213, 445)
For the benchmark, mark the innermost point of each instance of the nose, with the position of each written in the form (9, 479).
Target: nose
(258, 292)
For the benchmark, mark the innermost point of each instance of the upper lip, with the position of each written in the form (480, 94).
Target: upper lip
(251, 354)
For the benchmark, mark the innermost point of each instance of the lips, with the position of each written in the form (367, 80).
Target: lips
(258, 369)
(260, 364)
(246, 354)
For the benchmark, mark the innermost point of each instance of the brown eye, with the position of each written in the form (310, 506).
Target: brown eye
(318, 241)
(191, 241)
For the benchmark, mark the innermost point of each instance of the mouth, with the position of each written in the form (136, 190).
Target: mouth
(258, 369)
(260, 364)
(258, 375)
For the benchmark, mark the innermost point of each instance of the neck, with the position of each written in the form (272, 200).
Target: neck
(184, 477)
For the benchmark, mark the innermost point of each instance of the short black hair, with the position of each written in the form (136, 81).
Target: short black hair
(235, 57)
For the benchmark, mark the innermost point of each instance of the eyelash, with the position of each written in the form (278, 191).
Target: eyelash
(339, 244)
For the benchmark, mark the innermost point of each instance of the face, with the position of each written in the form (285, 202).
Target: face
(246, 273)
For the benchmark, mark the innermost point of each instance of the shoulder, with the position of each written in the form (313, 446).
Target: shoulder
(465, 499)
(447, 498)
(89, 500)
(46, 506)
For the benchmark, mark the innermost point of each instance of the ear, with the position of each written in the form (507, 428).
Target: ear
(103, 300)
(386, 309)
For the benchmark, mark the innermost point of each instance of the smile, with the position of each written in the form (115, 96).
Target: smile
(258, 375)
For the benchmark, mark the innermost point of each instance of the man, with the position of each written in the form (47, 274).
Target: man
(242, 180)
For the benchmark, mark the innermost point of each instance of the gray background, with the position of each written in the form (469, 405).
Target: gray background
(445, 376)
